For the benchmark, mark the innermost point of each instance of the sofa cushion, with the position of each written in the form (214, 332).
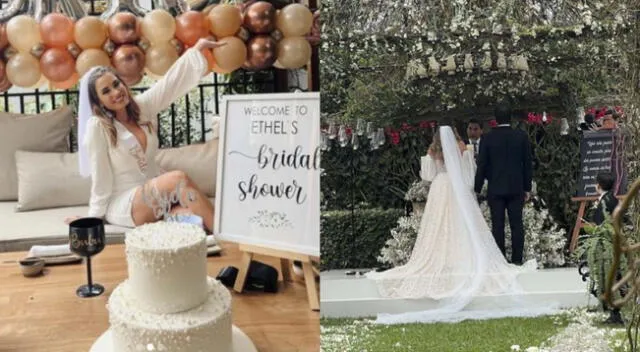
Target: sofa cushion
(50, 180)
(47, 132)
(199, 161)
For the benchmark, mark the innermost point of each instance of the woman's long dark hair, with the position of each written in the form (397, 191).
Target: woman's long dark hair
(106, 116)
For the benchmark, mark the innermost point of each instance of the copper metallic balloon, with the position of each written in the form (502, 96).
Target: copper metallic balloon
(191, 26)
(261, 52)
(57, 64)
(90, 32)
(23, 70)
(5, 84)
(260, 18)
(129, 61)
(224, 20)
(90, 58)
(56, 30)
(4, 41)
(208, 54)
(124, 28)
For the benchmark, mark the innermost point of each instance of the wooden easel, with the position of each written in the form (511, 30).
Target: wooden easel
(285, 268)
(579, 224)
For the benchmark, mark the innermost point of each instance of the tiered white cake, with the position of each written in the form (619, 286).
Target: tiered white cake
(169, 303)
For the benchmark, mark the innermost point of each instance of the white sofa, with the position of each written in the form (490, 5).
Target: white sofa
(40, 185)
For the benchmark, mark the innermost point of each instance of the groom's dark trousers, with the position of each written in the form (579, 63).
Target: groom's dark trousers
(505, 161)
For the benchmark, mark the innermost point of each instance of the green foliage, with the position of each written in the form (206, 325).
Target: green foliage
(596, 247)
(557, 163)
(378, 177)
(353, 240)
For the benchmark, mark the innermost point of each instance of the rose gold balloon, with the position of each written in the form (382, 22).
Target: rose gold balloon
(231, 56)
(90, 32)
(294, 20)
(68, 83)
(124, 28)
(23, 70)
(4, 41)
(56, 30)
(191, 26)
(5, 84)
(210, 59)
(159, 58)
(294, 52)
(129, 61)
(57, 64)
(261, 52)
(90, 58)
(260, 18)
(224, 20)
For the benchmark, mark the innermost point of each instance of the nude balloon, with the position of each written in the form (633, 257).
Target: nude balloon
(294, 20)
(23, 33)
(23, 70)
(90, 32)
(293, 52)
(158, 26)
(90, 58)
(231, 56)
(56, 30)
(224, 20)
(159, 58)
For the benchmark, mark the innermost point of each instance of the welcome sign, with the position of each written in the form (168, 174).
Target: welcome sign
(268, 186)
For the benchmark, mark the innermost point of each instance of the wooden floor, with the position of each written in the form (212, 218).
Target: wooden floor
(44, 313)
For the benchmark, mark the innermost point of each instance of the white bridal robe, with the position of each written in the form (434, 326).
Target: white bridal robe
(118, 171)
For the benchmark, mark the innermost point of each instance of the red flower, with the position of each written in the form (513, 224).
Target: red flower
(407, 127)
(434, 124)
(425, 124)
(493, 123)
(395, 138)
(349, 131)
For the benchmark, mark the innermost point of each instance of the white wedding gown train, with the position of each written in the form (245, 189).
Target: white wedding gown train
(455, 257)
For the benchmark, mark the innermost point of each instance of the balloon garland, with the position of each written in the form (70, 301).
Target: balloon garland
(59, 49)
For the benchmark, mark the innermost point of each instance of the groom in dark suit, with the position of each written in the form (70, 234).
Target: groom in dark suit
(505, 161)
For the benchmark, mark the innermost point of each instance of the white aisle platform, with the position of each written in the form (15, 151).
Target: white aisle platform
(344, 296)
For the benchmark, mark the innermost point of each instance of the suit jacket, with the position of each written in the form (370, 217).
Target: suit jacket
(607, 204)
(505, 161)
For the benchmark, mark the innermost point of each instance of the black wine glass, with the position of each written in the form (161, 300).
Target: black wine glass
(87, 238)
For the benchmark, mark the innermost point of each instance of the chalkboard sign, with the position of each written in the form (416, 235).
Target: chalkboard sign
(599, 153)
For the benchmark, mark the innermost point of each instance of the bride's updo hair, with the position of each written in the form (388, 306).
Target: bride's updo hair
(435, 149)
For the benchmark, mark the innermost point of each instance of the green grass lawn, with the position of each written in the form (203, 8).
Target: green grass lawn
(495, 335)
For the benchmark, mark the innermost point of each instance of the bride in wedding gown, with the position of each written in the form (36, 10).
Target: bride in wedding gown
(455, 257)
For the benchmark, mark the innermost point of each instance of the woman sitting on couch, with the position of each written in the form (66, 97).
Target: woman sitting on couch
(118, 141)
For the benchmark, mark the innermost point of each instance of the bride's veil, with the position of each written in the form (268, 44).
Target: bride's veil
(487, 258)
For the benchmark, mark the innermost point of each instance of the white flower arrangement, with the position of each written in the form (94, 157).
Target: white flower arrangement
(418, 191)
(397, 250)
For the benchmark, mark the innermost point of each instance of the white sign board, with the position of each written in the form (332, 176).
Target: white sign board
(268, 184)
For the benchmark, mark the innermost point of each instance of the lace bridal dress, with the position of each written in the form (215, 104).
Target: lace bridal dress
(455, 257)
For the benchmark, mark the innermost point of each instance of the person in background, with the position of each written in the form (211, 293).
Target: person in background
(474, 134)
(603, 209)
